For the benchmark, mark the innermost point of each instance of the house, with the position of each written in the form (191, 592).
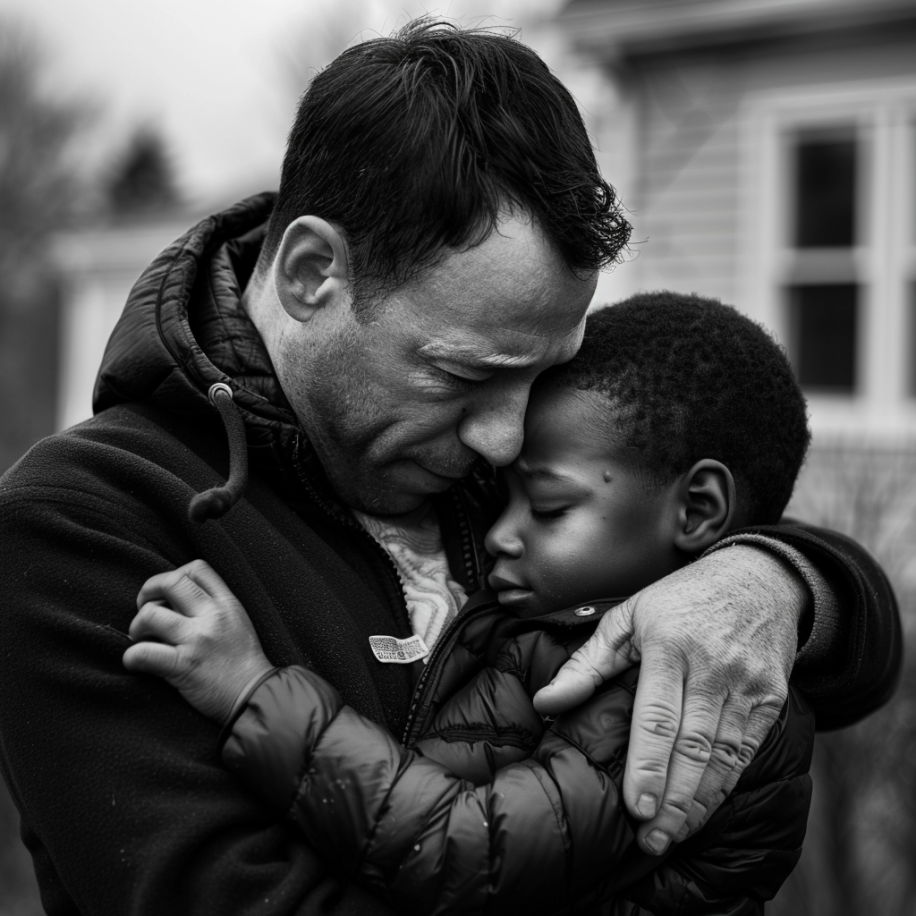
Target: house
(97, 266)
(766, 150)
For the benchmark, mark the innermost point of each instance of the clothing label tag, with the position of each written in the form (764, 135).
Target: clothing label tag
(390, 649)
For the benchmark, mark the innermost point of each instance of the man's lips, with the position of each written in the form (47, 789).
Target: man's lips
(450, 473)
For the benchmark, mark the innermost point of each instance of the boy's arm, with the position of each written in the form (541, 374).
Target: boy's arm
(540, 837)
(546, 834)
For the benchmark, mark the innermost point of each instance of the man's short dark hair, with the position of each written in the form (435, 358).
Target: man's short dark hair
(690, 378)
(417, 142)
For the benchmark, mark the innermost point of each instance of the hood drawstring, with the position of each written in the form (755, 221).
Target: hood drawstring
(217, 501)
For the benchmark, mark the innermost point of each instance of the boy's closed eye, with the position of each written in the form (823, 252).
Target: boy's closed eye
(547, 514)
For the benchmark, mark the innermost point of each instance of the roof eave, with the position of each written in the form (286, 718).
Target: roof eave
(610, 31)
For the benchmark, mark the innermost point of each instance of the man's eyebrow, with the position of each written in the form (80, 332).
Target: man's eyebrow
(474, 357)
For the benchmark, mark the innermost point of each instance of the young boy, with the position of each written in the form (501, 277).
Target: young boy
(677, 422)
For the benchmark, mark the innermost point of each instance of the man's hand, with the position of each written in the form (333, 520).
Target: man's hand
(716, 641)
(192, 631)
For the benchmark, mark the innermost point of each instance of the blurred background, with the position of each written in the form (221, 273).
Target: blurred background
(765, 149)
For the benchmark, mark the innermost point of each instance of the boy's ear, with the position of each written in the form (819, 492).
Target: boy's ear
(707, 506)
(312, 268)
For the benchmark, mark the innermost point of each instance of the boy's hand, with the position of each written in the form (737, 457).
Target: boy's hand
(192, 631)
(716, 641)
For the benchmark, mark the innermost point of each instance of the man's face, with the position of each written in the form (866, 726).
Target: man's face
(402, 405)
(581, 522)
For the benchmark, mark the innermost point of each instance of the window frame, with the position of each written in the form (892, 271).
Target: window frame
(883, 258)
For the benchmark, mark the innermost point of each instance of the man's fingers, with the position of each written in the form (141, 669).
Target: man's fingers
(759, 722)
(656, 719)
(155, 621)
(608, 652)
(725, 765)
(151, 658)
(691, 754)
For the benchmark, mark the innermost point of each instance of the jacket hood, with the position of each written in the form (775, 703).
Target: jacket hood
(183, 329)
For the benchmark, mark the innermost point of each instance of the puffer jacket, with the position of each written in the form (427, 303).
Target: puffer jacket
(125, 805)
(488, 809)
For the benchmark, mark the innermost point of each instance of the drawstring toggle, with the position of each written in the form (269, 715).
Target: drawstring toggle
(217, 501)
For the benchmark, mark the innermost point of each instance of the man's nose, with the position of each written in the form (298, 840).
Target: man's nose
(502, 539)
(494, 428)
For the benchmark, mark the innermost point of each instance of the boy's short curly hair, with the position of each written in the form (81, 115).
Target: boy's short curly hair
(690, 378)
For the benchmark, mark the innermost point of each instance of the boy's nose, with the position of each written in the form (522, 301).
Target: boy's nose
(501, 539)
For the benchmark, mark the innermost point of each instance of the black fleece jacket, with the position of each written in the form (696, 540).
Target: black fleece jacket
(125, 805)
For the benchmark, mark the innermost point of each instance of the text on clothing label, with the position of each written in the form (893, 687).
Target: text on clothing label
(396, 651)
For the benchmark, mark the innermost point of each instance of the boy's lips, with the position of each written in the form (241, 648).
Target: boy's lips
(508, 590)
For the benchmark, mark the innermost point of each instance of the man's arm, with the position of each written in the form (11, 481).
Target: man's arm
(124, 801)
(717, 641)
(850, 651)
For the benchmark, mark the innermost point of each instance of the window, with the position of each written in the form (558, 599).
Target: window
(822, 320)
(822, 327)
(830, 253)
(825, 190)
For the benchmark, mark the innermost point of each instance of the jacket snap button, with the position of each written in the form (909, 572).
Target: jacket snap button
(586, 611)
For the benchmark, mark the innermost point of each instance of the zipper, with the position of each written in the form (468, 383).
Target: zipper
(468, 549)
(449, 637)
(333, 511)
(443, 646)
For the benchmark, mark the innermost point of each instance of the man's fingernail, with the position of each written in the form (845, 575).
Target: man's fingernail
(657, 841)
(681, 835)
(646, 805)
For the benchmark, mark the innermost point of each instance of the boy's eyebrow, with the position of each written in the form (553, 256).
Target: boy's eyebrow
(541, 472)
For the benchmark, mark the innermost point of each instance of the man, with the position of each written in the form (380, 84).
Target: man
(432, 249)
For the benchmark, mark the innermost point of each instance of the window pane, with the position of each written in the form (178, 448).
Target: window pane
(823, 321)
(825, 190)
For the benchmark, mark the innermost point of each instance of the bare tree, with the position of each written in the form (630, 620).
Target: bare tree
(860, 852)
(39, 192)
(142, 179)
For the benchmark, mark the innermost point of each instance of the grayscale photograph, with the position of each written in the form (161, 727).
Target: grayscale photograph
(458, 459)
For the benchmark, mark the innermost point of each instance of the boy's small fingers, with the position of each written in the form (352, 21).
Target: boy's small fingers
(184, 586)
(152, 589)
(157, 622)
(151, 658)
(183, 593)
(209, 580)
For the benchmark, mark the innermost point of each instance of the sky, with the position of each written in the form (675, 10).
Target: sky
(219, 78)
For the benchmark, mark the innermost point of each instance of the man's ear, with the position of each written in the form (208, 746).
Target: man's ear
(707, 505)
(312, 268)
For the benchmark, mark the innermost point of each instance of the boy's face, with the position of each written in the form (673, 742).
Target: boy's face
(582, 522)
